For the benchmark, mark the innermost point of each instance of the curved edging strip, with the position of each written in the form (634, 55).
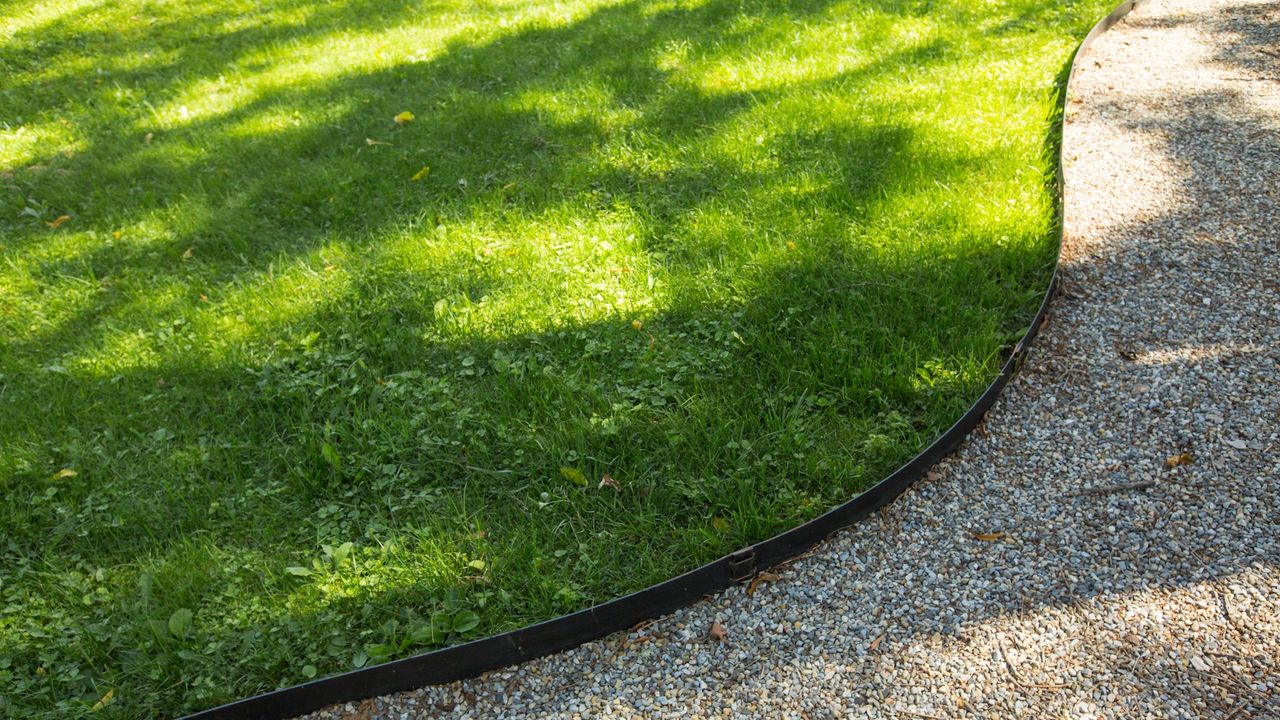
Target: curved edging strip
(517, 646)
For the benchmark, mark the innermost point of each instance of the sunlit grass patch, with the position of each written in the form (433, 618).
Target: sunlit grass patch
(324, 323)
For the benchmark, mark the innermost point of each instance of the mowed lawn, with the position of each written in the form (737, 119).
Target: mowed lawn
(333, 332)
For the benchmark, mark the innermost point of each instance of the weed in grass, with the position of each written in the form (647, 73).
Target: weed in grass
(323, 323)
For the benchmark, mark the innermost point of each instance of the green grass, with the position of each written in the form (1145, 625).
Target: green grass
(345, 389)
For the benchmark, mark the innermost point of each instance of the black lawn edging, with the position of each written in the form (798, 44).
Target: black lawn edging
(544, 638)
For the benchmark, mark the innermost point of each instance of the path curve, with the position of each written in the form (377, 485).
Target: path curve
(1108, 544)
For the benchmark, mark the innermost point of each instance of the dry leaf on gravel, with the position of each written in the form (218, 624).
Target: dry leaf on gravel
(762, 577)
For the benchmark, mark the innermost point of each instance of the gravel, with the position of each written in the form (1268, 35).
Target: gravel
(1107, 544)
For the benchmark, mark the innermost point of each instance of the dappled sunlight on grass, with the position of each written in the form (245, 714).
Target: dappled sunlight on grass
(742, 257)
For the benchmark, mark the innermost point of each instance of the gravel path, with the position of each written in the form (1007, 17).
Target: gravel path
(1108, 544)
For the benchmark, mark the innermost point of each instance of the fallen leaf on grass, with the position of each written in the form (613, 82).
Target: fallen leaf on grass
(371, 142)
(718, 632)
(188, 253)
(330, 455)
(607, 481)
(420, 174)
(63, 474)
(1174, 461)
(404, 117)
(762, 577)
(988, 536)
(574, 475)
(57, 223)
(180, 623)
(107, 697)
(719, 523)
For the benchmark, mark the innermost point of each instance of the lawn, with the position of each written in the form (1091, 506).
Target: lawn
(332, 332)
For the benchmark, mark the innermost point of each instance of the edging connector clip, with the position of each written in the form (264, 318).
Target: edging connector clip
(742, 564)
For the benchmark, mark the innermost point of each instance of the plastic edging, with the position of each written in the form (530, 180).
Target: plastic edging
(544, 638)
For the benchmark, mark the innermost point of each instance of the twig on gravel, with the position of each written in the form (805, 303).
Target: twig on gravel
(917, 713)
(1122, 487)
(1004, 655)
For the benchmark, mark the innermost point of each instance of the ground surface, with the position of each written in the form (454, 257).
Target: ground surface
(335, 331)
(1025, 579)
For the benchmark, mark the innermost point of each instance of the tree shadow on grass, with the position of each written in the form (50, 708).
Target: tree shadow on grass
(324, 184)
(1100, 592)
(769, 383)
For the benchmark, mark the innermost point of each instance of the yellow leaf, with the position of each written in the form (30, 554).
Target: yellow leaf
(105, 701)
(719, 523)
(117, 234)
(371, 142)
(637, 324)
(63, 474)
(404, 117)
(1174, 461)
(58, 222)
(988, 537)
(420, 174)
(574, 476)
